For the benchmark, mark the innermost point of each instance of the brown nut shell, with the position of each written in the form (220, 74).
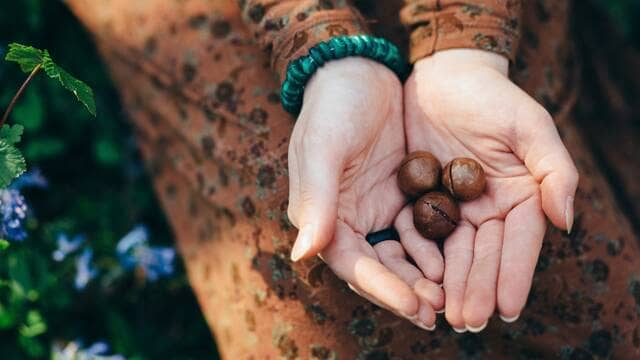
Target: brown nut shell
(419, 173)
(464, 179)
(436, 215)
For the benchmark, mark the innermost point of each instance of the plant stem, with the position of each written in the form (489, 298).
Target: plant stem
(17, 95)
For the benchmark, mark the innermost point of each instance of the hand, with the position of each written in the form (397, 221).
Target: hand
(343, 154)
(461, 103)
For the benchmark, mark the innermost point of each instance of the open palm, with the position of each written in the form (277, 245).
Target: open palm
(461, 103)
(344, 150)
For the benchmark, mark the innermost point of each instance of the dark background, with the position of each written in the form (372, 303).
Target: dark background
(97, 187)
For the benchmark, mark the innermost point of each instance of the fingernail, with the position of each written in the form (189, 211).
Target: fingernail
(413, 318)
(568, 214)
(303, 243)
(422, 325)
(477, 329)
(459, 331)
(509, 319)
(353, 288)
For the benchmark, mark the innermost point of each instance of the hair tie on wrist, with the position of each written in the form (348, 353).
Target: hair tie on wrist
(302, 69)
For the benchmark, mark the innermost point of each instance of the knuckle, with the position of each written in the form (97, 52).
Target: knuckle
(386, 253)
(486, 253)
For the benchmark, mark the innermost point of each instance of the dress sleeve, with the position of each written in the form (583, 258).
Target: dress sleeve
(492, 25)
(287, 29)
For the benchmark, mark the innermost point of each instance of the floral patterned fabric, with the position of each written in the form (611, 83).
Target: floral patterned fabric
(201, 94)
(289, 28)
(490, 25)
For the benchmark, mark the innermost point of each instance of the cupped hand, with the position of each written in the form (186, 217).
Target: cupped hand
(344, 151)
(460, 103)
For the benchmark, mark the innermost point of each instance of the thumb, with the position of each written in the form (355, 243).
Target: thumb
(313, 197)
(550, 163)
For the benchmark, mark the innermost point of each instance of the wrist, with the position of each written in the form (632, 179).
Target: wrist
(352, 83)
(464, 59)
(353, 71)
(302, 69)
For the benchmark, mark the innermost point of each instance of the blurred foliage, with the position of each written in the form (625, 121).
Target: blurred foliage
(97, 187)
(625, 15)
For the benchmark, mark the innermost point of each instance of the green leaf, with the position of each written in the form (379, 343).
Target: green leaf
(7, 317)
(11, 134)
(27, 57)
(12, 163)
(4, 244)
(82, 91)
(34, 325)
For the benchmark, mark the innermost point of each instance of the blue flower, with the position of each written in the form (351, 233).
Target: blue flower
(75, 351)
(13, 208)
(85, 271)
(33, 178)
(100, 349)
(156, 261)
(13, 212)
(134, 251)
(137, 237)
(66, 246)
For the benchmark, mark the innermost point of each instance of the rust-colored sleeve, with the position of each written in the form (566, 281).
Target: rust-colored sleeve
(289, 28)
(434, 25)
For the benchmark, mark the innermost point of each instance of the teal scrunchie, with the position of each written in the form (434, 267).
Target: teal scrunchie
(302, 69)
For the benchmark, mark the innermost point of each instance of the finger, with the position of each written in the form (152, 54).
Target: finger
(370, 298)
(524, 230)
(354, 261)
(422, 312)
(480, 293)
(549, 161)
(392, 255)
(424, 252)
(458, 255)
(313, 194)
(430, 291)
